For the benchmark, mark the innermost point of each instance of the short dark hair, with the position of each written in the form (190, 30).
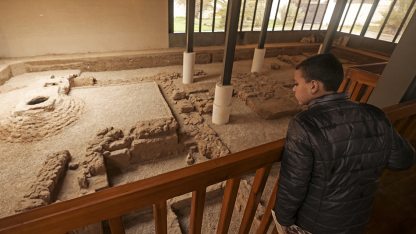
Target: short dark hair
(325, 68)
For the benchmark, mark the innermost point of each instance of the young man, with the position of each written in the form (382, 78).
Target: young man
(334, 155)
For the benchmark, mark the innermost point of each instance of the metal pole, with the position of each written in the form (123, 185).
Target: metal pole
(242, 16)
(170, 16)
(333, 24)
(190, 21)
(230, 41)
(213, 16)
(201, 4)
(277, 10)
(370, 15)
(265, 24)
(254, 14)
(287, 11)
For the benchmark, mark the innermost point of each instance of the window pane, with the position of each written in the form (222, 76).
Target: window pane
(352, 13)
(405, 24)
(347, 8)
(324, 18)
(207, 14)
(309, 16)
(273, 15)
(378, 18)
(261, 6)
(281, 15)
(221, 15)
(197, 12)
(291, 15)
(395, 19)
(362, 17)
(179, 16)
(248, 15)
(301, 14)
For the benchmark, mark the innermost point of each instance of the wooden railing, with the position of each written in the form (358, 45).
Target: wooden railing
(110, 204)
(361, 80)
(403, 117)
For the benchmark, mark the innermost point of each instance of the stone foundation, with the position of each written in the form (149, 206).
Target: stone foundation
(43, 190)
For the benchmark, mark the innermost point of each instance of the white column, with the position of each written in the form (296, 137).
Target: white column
(258, 60)
(222, 104)
(188, 67)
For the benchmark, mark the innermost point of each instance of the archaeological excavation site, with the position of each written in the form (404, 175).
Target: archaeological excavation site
(170, 116)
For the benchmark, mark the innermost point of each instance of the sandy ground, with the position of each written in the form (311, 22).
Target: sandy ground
(112, 103)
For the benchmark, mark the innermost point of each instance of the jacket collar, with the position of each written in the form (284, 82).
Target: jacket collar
(328, 98)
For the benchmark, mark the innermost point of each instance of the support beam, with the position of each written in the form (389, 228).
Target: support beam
(399, 72)
(265, 24)
(190, 21)
(224, 90)
(189, 54)
(230, 40)
(333, 25)
(260, 51)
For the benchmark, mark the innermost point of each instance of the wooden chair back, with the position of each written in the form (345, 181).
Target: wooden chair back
(360, 81)
(110, 204)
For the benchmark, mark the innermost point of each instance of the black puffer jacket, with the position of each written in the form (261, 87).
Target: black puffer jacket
(334, 155)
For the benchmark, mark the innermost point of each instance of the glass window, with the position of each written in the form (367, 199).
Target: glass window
(346, 9)
(258, 20)
(290, 19)
(405, 24)
(310, 15)
(179, 16)
(248, 15)
(323, 17)
(207, 15)
(221, 15)
(378, 18)
(362, 17)
(352, 13)
(281, 14)
(301, 14)
(273, 14)
(393, 22)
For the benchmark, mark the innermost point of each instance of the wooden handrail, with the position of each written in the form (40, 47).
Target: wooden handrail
(112, 203)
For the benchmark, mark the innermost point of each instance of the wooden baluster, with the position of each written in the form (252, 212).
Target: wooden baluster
(343, 85)
(410, 128)
(116, 225)
(367, 94)
(267, 216)
(357, 90)
(160, 216)
(351, 88)
(254, 198)
(230, 194)
(197, 211)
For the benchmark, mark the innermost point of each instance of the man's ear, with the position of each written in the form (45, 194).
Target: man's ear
(315, 86)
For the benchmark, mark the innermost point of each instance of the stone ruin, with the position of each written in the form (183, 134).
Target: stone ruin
(113, 150)
(42, 112)
(269, 98)
(44, 189)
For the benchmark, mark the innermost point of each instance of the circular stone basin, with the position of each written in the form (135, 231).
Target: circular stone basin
(37, 100)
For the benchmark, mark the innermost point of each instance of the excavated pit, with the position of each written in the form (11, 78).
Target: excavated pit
(123, 126)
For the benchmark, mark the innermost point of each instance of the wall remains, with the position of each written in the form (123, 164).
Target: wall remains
(30, 28)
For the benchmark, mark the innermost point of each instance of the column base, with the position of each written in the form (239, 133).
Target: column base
(258, 60)
(188, 67)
